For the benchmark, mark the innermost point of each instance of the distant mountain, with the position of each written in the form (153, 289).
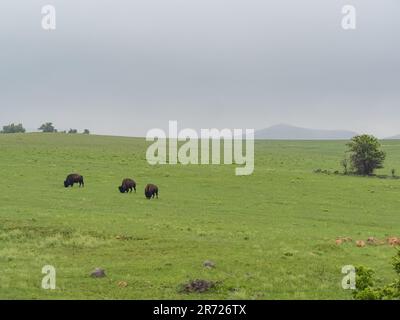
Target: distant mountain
(288, 132)
(393, 138)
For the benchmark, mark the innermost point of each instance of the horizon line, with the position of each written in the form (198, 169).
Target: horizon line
(144, 137)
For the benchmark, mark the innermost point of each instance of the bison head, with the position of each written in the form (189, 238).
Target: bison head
(66, 184)
(121, 189)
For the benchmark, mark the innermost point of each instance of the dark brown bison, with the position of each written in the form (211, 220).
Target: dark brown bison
(72, 179)
(150, 191)
(127, 184)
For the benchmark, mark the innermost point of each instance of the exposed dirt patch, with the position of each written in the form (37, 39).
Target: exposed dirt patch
(122, 284)
(124, 237)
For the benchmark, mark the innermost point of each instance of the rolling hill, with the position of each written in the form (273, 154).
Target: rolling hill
(288, 132)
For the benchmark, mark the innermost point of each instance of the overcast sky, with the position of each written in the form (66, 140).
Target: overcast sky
(125, 66)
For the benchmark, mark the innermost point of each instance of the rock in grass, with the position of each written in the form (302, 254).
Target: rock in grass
(98, 273)
(360, 243)
(341, 240)
(393, 241)
(209, 264)
(198, 286)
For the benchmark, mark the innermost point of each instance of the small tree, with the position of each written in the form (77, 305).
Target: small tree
(345, 165)
(47, 127)
(13, 128)
(72, 131)
(86, 131)
(365, 154)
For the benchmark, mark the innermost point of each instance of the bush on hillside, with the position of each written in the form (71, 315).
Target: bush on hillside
(365, 154)
(13, 128)
(365, 285)
(47, 127)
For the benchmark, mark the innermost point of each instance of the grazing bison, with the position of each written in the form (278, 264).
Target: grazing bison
(127, 184)
(150, 191)
(72, 179)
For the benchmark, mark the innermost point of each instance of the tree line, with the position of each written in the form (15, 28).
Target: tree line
(45, 127)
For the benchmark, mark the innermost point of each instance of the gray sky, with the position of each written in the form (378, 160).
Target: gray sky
(126, 66)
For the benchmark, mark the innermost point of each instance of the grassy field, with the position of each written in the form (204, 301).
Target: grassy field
(272, 234)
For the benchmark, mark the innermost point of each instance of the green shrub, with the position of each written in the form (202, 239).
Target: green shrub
(365, 287)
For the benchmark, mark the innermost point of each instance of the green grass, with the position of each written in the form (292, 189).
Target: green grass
(272, 234)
